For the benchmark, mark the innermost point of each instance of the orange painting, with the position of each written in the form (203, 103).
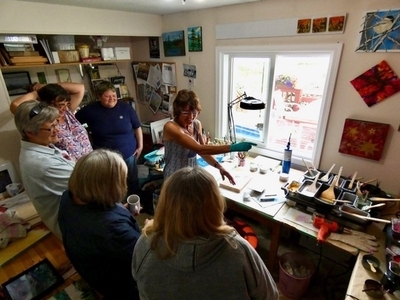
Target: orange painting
(319, 24)
(377, 83)
(304, 26)
(336, 23)
(363, 138)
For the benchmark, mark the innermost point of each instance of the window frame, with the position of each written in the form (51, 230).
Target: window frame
(223, 88)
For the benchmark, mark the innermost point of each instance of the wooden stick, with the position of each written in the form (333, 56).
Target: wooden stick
(372, 219)
(384, 199)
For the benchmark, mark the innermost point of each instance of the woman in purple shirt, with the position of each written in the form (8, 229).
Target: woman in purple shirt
(66, 97)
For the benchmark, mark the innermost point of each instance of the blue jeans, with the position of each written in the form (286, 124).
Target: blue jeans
(133, 177)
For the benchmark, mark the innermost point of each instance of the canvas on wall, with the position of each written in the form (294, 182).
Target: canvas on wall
(377, 83)
(380, 31)
(195, 39)
(364, 139)
(174, 43)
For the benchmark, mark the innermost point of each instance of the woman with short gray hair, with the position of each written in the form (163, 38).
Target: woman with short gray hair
(45, 169)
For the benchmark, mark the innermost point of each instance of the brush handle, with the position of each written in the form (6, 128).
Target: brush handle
(383, 199)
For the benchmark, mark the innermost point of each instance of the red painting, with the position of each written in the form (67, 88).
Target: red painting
(363, 138)
(377, 84)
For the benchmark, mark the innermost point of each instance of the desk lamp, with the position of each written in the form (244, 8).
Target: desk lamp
(247, 103)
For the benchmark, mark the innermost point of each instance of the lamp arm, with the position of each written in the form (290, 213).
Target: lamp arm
(231, 121)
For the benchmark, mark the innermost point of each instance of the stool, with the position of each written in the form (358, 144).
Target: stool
(245, 231)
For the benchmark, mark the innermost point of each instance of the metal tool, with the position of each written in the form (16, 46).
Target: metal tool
(371, 265)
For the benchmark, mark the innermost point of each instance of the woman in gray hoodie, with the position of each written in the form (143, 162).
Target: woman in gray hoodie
(188, 251)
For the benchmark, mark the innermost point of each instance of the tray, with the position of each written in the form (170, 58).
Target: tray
(349, 212)
(304, 193)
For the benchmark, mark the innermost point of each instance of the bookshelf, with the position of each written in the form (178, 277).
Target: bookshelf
(64, 64)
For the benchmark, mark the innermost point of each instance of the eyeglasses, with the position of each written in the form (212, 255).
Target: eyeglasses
(63, 104)
(52, 127)
(190, 112)
(37, 109)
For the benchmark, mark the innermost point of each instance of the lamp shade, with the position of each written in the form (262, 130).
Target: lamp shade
(251, 103)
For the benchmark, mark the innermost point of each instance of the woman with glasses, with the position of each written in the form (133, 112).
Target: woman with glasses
(188, 251)
(45, 169)
(183, 139)
(66, 97)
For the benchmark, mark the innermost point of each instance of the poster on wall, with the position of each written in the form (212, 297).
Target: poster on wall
(154, 46)
(380, 32)
(364, 139)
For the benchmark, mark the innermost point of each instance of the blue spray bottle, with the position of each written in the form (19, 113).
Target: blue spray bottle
(287, 157)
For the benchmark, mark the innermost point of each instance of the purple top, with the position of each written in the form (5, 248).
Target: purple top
(72, 137)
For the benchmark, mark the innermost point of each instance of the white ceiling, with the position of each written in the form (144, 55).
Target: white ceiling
(158, 7)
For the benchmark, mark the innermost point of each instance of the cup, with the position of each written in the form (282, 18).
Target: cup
(14, 189)
(133, 204)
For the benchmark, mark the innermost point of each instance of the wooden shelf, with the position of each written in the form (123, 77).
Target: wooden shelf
(65, 64)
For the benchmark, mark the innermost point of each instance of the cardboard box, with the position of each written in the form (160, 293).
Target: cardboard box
(68, 56)
(122, 53)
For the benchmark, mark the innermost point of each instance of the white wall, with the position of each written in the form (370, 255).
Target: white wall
(39, 18)
(346, 102)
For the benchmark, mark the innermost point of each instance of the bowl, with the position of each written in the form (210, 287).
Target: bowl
(373, 260)
(373, 289)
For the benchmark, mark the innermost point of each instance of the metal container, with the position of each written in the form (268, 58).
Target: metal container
(349, 197)
(310, 176)
(345, 186)
(303, 193)
(323, 204)
(350, 211)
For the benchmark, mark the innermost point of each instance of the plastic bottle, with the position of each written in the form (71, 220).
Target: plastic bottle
(287, 158)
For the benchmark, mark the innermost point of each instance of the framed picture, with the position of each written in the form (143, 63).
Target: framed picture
(42, 77)
(380, 31)
(154, 102)
(370, 137)
(195, 39)
(154, 46)
(36, 281)
(174, 43)
(17, 83)
(63, 75)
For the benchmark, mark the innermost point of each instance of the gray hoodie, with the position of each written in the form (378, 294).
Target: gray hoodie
(205, 268)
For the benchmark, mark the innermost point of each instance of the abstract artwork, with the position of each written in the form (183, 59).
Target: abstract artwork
(364, 139)
(174, 43)
(195, 42)
(380, 32)
(377, 83)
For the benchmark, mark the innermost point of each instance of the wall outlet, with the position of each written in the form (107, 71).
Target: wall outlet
(191, 82)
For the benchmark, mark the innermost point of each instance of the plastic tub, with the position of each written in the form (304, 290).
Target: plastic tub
(295, 272)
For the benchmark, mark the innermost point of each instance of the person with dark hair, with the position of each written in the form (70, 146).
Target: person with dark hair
(115, 125)
(183, 139)
(99, 234)
(45, 169)
(188, 251)
(66, 97)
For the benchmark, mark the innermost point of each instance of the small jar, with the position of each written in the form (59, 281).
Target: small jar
(83, 51)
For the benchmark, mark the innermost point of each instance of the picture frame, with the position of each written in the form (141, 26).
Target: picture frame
(195, 39)
(380, 31)
(154, 47)
(174, 43)
(37, 280)
(63, 75)
(17, 83)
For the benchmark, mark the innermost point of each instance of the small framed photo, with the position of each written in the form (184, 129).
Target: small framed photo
(195, 39)
(63, 75)
(36, 282)
(17, 83)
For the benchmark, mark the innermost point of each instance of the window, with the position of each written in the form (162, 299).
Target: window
(295, 82)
